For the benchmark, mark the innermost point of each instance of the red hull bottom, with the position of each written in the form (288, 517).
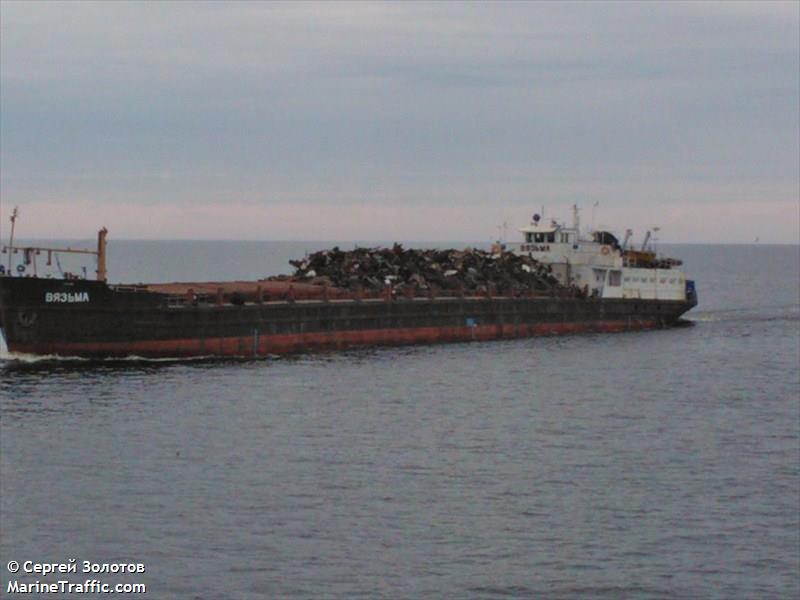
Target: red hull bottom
(265, 345)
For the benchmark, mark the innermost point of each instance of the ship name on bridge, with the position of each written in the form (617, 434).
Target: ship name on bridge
(66, 297)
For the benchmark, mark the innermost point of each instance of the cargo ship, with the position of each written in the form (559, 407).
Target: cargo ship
(594, 283)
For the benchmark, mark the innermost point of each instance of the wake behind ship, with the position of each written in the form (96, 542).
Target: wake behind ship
(554, 281)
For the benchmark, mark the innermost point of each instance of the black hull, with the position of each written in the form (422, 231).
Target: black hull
(92, 319)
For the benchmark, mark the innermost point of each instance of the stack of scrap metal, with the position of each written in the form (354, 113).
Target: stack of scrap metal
(470, 270)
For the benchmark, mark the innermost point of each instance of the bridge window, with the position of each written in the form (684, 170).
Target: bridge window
(614, 278)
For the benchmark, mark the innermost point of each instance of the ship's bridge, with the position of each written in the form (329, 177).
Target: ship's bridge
(539, 232)
(535, 234)
(553, 242)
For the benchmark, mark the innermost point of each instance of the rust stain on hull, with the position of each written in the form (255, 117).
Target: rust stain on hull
(265, 345)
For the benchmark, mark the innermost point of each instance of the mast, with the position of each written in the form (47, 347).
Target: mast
(101, 254)
(14, 215)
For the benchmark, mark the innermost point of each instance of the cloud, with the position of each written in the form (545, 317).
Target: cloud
(388, 105)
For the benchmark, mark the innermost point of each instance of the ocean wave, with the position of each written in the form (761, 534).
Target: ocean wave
(752, 314)
(11, 358)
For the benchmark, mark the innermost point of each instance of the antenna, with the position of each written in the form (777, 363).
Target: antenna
(594, 207)
(502, 232)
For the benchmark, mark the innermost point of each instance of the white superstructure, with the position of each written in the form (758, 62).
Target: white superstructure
(599, 264)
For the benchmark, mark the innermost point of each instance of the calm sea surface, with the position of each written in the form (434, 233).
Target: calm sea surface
(658, 465)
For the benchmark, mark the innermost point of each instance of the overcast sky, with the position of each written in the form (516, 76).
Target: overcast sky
(413, 121)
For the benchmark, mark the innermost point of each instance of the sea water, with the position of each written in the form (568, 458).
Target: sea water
(660, 464)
